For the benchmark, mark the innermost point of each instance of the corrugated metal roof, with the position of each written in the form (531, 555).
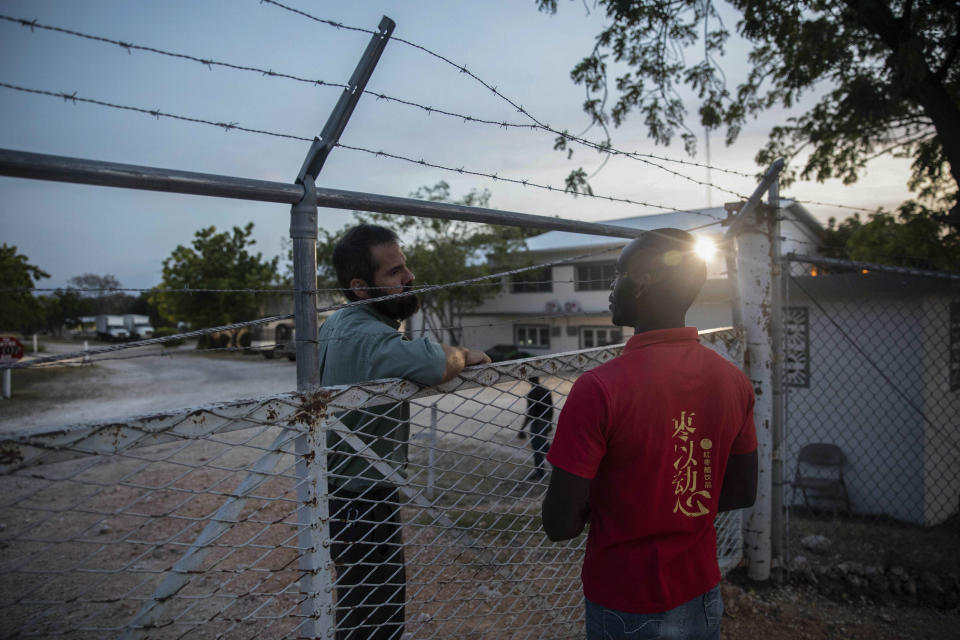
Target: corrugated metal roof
(554, 240)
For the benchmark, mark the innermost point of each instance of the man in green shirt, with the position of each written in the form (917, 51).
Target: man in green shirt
(358, 344)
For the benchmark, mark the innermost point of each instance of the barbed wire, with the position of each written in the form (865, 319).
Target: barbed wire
(229, 126)
(839, 206)
(524, 183)
(156, 113)
(600, 147)
(260, 321)
(210, 63)
(277, 291)
(92, 359)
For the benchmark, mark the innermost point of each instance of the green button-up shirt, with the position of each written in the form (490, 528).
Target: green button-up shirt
(358, 344)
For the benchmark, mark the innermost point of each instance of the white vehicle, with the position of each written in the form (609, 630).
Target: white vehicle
(137, 326)
(111, 328)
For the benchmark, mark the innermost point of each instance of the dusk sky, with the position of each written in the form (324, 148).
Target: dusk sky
(71, 229)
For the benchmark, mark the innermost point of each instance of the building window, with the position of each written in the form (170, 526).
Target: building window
(535, 281)
(954, 346)
(796, 331)
(599, 336)
(594, 276)
(536, 336)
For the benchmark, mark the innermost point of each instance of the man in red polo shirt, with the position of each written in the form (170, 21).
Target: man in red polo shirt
(649, 447)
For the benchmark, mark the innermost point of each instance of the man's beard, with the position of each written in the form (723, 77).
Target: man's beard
(397, 308)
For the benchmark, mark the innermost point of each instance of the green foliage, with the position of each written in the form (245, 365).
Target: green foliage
(20, 310)
(916, 237)
(890, 71)
(65, 308)
(440, 251)
(214, 261)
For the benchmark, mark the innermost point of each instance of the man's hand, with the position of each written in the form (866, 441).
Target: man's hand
(477, 357)
(460, 357)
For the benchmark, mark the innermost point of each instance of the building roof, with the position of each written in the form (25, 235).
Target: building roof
(686, 220)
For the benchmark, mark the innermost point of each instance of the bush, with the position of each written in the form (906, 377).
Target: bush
(245, 340)
(162, 332)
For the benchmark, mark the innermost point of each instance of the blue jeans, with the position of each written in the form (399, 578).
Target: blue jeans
(698, 619)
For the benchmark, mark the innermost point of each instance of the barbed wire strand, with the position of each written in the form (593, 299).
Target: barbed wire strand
(603, 148)
(250, 323)
(540, 125)
(210, 63)
(353, 336)
(272, 291)
(230, 126)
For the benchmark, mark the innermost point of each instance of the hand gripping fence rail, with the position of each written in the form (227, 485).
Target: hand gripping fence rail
(189, 523)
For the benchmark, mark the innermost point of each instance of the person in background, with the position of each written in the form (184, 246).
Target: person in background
(649, 447)
(538, 420)
(357, 344)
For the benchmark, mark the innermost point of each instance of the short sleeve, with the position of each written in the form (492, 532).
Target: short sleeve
(580, 443)
(746, 440)
(422, 360)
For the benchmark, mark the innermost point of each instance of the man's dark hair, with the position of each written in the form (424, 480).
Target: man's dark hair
(353, 258)
(670, 253)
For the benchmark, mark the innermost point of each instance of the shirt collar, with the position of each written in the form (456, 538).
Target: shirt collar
(370, 309)
(647, 338)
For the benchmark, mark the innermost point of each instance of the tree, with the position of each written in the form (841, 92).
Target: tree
(215, 261)
(102, 292)
(916, 237)
(440, 251)
(20, 311)
(891, 70)
(93, 285)
(65, 308)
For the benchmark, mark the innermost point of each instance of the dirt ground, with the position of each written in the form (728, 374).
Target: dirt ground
(870, 580)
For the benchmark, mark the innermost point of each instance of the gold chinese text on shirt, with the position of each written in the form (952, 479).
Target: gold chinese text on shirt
(692, 468)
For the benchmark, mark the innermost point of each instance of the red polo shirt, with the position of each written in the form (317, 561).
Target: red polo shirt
(653, 429)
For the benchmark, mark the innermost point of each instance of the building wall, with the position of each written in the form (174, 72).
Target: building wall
(866, 378)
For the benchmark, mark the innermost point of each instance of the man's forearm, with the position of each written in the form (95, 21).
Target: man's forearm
(456, 361)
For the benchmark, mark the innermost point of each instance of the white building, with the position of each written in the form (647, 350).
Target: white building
(566, 307)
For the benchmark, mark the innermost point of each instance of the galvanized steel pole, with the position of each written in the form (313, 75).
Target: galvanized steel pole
(777, 266)
(754, 232)
(311, 448)
(40, 166)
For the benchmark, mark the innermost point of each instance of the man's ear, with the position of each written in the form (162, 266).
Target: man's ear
(360, 288)
(641, 283)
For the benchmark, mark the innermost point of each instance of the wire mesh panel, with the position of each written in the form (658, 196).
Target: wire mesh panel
(873, 393)
(190, 524)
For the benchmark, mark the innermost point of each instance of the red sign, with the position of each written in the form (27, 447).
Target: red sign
(10, 349)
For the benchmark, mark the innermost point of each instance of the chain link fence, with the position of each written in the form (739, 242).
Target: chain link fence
(212, 521)
(872, 387)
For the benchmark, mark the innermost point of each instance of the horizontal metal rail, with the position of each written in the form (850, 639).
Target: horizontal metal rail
(38, 166)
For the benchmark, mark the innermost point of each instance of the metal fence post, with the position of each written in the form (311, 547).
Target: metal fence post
(754, 233)
(779, 357)
(316, 585)
(311, 447)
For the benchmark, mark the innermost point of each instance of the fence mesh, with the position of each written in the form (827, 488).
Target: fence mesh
(872, 387)
(202, 522)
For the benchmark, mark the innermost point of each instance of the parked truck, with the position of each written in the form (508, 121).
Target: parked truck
(110, 327)
(137, 326)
